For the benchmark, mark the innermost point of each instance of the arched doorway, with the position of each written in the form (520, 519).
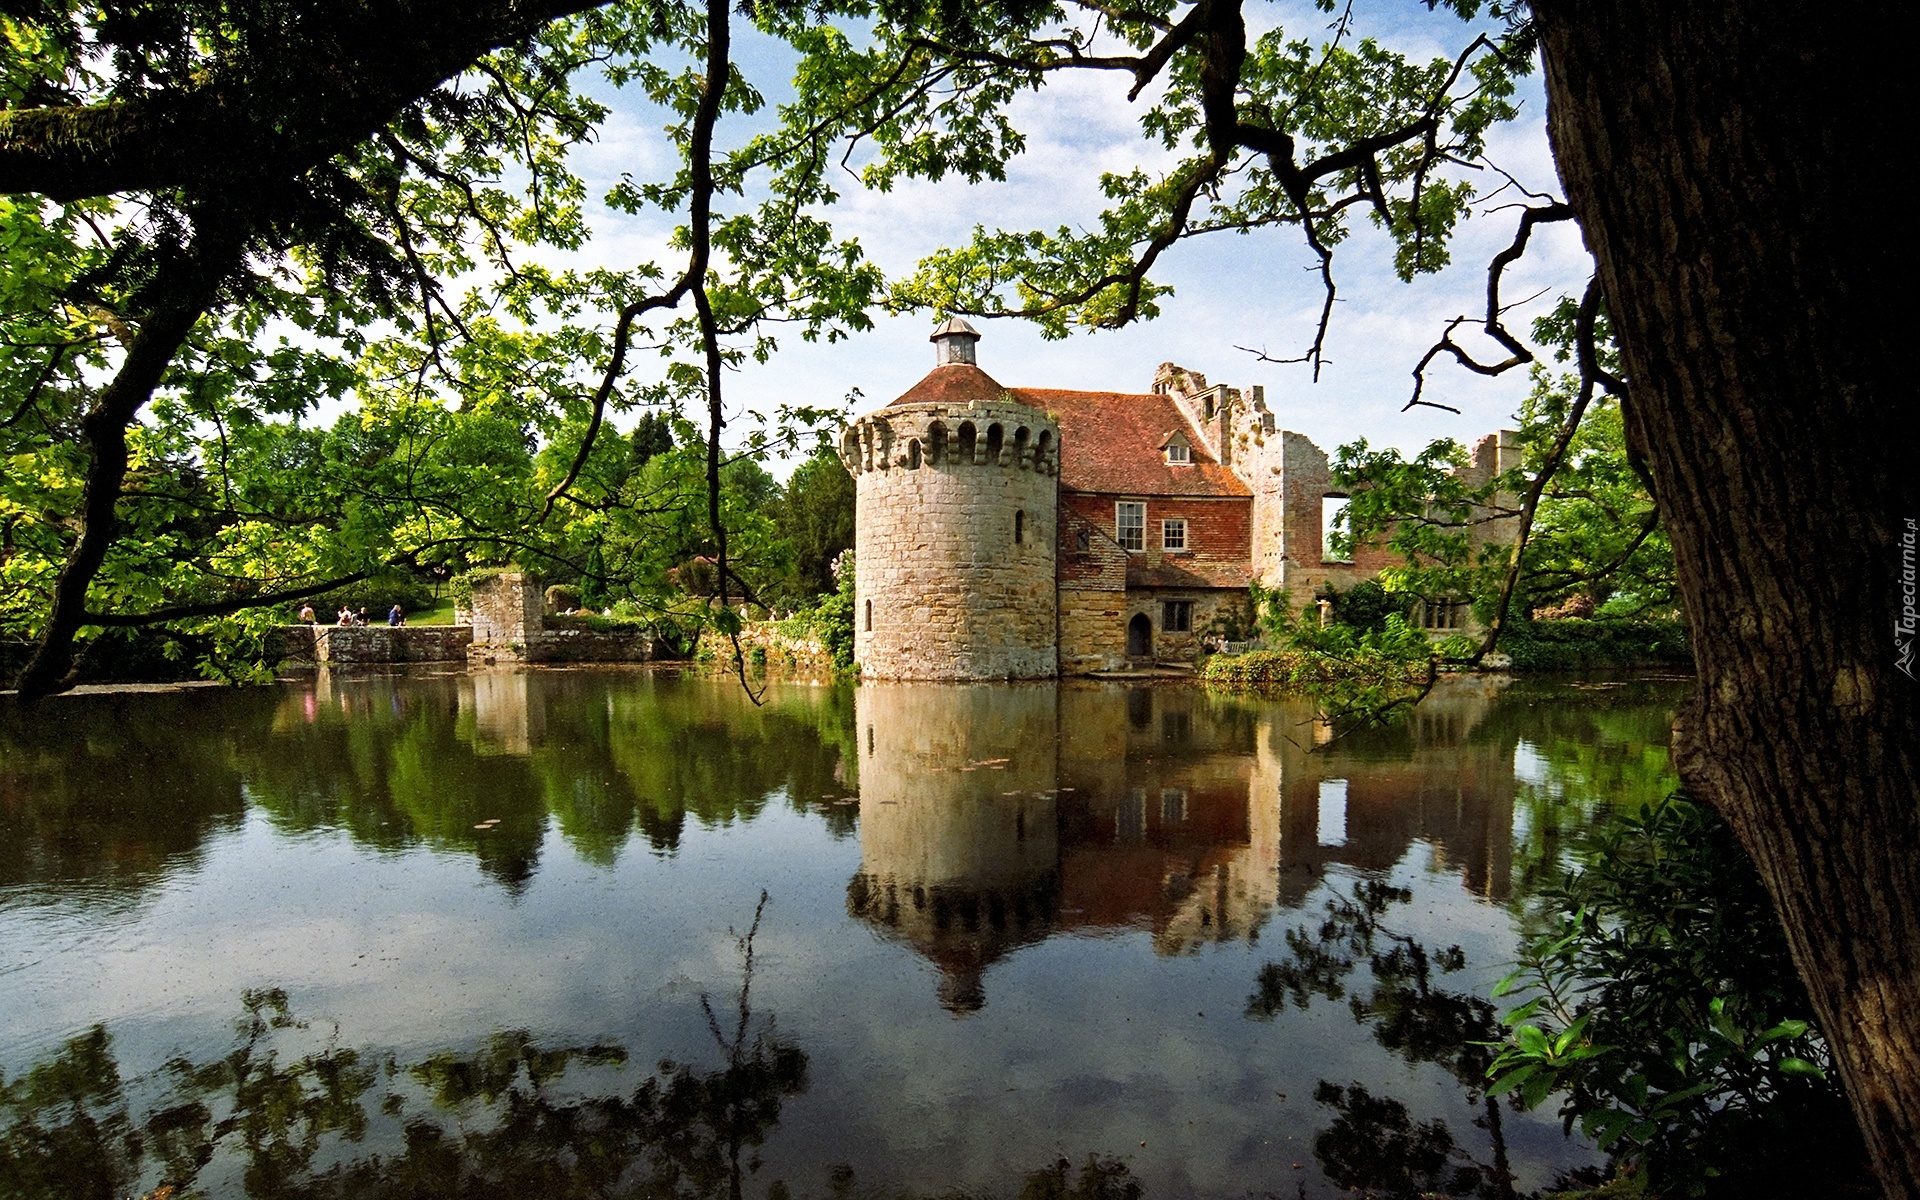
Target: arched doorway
(1140, 637)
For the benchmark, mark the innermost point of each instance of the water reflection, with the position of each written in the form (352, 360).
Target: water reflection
(286, 1113)
(992, 818)
(494, 896)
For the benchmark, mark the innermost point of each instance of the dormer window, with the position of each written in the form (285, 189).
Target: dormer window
(1178, 452)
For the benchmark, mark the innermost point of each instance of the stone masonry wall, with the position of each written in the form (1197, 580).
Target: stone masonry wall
(507, 607)
(355, 645)
(1093, 597)
(955, 541)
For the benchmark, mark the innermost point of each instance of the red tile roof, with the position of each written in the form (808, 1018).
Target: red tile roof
(955, 383)
(1112, 442)
(1188, 573)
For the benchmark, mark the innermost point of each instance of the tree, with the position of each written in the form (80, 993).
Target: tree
(1710, 154)
(186, 180)
(1593, 540)
(815, 517)
(1767, 396)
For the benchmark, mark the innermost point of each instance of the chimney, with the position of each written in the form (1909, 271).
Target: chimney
(953, 342)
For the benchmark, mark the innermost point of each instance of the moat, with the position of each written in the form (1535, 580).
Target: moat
(489, 934)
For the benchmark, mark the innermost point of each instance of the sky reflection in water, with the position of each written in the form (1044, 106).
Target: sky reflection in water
(484, 934)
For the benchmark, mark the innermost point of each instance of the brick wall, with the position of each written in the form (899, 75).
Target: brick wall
(1219, 531)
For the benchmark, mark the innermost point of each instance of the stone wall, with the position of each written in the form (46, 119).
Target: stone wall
(507, 607)
(354, 645)
(1092, 597)
(955, 534)
(510, 626)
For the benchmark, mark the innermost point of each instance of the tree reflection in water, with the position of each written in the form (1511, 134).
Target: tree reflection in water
(290, 1119)
(1375, 1145)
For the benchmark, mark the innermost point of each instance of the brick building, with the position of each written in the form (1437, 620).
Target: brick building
(1023, 533)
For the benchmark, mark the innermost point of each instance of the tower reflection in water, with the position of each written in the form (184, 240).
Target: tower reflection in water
(994, 817)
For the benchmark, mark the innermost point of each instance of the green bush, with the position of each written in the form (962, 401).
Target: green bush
(1661, 1003)
(462, 585)
(830, 619)
(599, 623)
(1366, 606)
(1576, 645)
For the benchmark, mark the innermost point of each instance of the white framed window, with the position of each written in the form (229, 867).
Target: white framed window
(1179, 452)
(1130, 525)
(1173, 533)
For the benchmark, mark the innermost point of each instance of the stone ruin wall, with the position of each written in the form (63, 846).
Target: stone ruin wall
(507, 607)
(942, 588)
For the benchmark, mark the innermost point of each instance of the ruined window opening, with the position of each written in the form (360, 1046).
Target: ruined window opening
(1176, 616)
(1443, 614)
(1019, 527)
(1130, 525)
(1179, 452)
(1082, 541)
(968, 437)
(1210, 406)
(936, 444)
(1021, 437)
(1173, 534)
(1043, 450)
(869, 616)
(996, 438)
(913, 454)
(1336, 544)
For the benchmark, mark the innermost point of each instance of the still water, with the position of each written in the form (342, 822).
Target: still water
(618, 933)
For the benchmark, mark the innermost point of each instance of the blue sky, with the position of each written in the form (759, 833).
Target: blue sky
(1230, 291)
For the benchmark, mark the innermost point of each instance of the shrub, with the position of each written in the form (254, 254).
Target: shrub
(462, 585)
(1366, 606)
(1575, 645)
(1663, 1005)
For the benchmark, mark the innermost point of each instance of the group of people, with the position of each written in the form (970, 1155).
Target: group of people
(396, 616)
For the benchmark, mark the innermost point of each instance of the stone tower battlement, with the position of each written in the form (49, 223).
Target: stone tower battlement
(955, 507)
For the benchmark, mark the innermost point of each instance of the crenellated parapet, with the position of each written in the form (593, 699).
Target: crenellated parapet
(936, 436)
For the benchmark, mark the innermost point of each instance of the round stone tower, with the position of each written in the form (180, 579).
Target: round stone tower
(957, 492)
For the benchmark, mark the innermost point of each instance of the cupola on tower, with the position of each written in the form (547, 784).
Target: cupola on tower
(956, 498)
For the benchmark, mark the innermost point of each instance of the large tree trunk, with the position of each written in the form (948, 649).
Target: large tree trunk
(1732, 169)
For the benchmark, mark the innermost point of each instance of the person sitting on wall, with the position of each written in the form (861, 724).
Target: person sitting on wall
(360, 618)
(396, 616)
(344, 617)
(306, 615)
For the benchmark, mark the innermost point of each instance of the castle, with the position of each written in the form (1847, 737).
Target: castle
(1027, 533)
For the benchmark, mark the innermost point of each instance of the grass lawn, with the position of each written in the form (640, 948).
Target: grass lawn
(441, 614)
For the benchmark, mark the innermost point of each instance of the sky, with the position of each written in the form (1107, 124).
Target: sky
(1231, 292)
